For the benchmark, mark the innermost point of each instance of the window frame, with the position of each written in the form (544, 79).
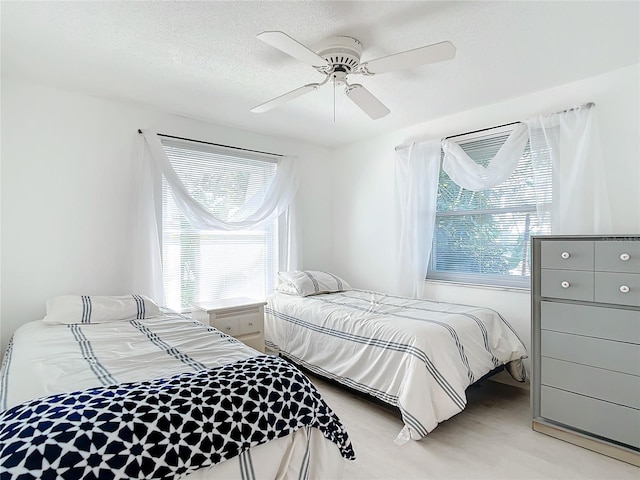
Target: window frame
(271, 267)
(479, 279)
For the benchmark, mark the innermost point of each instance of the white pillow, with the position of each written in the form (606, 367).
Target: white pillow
(310, 282)
(69, 309)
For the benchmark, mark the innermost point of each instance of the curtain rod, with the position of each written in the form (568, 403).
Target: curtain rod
(586, 105)
(481, 130)
(216, 144)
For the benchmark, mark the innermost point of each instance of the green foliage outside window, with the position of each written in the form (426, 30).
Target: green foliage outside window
(484, 237)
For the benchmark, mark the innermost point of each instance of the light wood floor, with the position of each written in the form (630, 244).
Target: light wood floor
(491, 439)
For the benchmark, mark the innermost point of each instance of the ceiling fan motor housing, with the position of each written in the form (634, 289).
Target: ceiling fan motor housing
(342, 52)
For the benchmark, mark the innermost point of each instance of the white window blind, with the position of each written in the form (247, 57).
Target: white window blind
(484, 237)
(211, 265)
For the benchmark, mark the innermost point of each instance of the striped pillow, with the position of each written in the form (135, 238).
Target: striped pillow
(310, 282)
(70, 309)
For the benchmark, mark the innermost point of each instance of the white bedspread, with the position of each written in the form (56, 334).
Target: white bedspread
(47, 359)
(415, 354)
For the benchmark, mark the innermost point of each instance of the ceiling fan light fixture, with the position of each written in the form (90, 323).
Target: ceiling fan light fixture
(339, 78)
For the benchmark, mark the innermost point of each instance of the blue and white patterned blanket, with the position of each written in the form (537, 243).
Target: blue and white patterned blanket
(163, 428)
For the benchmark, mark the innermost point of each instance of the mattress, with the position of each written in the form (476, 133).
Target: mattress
(46, 363)
(416, 355)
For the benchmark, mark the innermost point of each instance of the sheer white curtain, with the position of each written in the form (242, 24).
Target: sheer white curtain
(266, 204)
(289, 245)
(417, 169)
(580, 204)
(464, 171)
(146, 258)
(274, 200)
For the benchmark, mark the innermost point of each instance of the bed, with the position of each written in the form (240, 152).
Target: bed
(413, 354)
(155, 394)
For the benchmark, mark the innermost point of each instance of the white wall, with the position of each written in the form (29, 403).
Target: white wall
(67, 193)
(365, 208)
(66, 190)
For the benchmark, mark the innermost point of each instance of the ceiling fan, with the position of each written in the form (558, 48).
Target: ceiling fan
(339, 57)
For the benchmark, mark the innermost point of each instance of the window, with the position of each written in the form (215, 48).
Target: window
(484, 237)
(210, 265)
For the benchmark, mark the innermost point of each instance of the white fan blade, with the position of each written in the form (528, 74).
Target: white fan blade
(276, 102)
(438, 52)
(369, 104)
(292, 47)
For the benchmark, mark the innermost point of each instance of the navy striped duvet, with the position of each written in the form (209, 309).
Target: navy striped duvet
(417, 355)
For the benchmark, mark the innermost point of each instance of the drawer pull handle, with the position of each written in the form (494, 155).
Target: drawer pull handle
(565, 284)
(565, 255)
(624, 289)
(624, 257)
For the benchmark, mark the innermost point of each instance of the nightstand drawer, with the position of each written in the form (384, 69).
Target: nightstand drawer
(618, 256)
(567, 284)
(567, 255)
(250, 323)
(227, 325)
(619, 288)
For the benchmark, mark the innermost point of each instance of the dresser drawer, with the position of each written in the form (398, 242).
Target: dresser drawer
(567, 284)
(616, 422)
(617, 256)
(595, 352)
(567, 255)
(619, 288)
(601, 322)
(607, 385)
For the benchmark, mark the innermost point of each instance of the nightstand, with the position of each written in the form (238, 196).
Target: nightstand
(242, 318)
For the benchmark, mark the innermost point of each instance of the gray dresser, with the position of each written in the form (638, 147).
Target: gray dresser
(585, 382)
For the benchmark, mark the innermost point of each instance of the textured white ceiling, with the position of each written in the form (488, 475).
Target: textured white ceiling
(201, 59)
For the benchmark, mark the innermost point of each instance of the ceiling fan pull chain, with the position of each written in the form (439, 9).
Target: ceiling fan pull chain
(334, 98)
